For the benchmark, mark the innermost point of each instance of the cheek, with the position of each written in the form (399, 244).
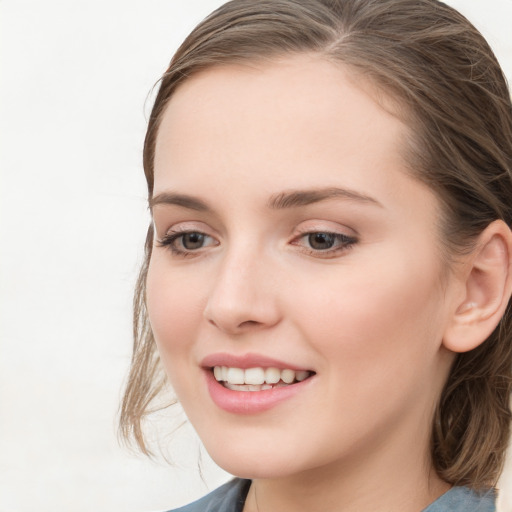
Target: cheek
(376, 320)
(377, 334)
(175, 305)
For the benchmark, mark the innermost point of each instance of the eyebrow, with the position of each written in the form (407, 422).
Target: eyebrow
(283, 200)
(296, 198)
(184, 200)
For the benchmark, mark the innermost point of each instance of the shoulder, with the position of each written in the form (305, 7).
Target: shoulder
(229, 497)
(463, 499)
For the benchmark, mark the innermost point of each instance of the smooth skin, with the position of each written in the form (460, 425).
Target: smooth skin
(366, 302)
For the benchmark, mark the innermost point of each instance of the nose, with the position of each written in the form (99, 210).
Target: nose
(244, 295)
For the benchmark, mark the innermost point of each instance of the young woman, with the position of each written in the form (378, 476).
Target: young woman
(328, 270)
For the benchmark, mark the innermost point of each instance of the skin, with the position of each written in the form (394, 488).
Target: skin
(368, 318)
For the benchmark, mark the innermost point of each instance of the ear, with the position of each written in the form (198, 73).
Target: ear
(487, 287)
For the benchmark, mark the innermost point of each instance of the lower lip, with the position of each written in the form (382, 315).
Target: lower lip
(250, 402)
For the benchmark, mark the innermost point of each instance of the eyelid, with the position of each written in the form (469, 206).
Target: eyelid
(170, 239)
(169, 242)
(183, 227)
(344, 244)
(325, 226)
(345, 241)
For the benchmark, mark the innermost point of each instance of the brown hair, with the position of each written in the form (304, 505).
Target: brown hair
(443, 74)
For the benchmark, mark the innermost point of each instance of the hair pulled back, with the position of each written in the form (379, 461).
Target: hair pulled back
(440, 70)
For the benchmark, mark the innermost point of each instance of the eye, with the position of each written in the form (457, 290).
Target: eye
(191, 241)
(324, 243)
(186, 242)
(321, 241)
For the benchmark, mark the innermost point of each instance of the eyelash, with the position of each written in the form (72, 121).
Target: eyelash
(344, 243)
(168, 241)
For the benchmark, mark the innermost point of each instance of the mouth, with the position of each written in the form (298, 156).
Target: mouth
(253, 383)
(258, 378)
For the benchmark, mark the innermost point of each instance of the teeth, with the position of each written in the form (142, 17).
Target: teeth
(272, 375)
(288, 376)
(254, 376)
(235, 376)
(252, 387)
(301, 375)
(257, 379)
(241, 387)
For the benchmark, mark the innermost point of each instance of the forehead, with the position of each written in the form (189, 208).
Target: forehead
(270, 126)
(305, 85)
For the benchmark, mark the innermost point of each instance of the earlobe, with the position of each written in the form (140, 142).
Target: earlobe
(487, 290)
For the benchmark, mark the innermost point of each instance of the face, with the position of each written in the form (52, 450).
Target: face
(295, 289)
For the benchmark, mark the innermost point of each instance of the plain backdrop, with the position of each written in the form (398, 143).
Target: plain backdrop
(75, 76)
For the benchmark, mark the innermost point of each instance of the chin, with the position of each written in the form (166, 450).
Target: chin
(253, 462)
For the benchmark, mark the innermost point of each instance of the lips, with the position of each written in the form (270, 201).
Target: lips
(252, 383)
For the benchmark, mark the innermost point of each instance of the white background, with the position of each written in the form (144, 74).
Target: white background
(74, 80)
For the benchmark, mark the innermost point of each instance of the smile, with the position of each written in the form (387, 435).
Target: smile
(258, 378)
(253, 383)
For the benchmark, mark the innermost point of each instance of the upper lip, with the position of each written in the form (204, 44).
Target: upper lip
(245, 361)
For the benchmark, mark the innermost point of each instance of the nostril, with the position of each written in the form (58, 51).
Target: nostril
(249, 323)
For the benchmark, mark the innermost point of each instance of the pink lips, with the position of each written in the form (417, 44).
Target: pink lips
(248, 402)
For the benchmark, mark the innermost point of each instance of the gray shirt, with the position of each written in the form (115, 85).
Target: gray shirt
(231, 498)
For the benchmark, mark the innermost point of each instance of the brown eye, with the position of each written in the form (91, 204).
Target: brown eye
(321, 241)
(191, 241)
(323, 244)
(187, 243)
